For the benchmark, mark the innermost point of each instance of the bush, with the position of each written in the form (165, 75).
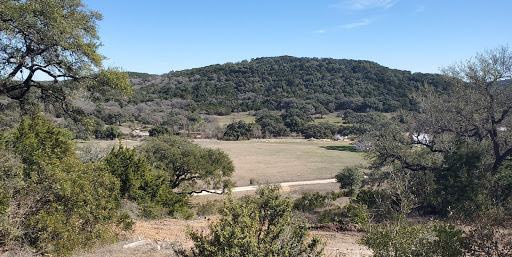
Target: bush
(272, 125)
(350, 178)
(208, 208)
(125, 221)
(160, 131)
(237, 130)
(402, 239)
(130, 170)
(151, 189)
(320, 130)
(151, 211)
(380, 203)
(309, 202)
(110, 132)
(57, 203)
(330, 215)
(357, 214)
(256, 226)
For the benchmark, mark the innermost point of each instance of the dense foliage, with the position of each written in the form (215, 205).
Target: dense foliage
(238, 130)
(186, 165)
(57, 39)
(450, 159)
(275, 83)
(151, 189)
(256, 226)
(49, 199)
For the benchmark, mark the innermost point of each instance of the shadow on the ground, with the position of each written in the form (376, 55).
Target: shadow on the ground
(344, 148)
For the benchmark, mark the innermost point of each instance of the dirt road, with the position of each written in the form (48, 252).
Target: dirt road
(283, 185)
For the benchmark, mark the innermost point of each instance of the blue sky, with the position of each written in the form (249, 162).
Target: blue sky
(157, 36)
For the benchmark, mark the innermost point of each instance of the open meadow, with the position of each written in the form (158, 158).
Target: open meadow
(285, 160)
(272, 160)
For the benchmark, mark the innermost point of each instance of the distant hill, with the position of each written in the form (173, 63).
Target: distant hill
(276, 82)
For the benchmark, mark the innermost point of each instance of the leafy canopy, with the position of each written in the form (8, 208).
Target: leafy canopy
(460, 166)
(56, 40)
(186, 164)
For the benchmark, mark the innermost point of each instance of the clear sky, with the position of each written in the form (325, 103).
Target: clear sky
(157, 36)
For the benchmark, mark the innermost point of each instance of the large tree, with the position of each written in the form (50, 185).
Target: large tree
(55, 41)
(465, 134)
(480, 102)
(186, 164)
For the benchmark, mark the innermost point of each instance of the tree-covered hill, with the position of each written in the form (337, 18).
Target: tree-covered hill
(276, 82)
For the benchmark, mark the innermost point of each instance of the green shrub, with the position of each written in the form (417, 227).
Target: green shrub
(357, 214)
(402, 239)
(378, 202)
(331, 215)
(151, 210)
(60, 203)
(110, 132)
(149, 188)
(238, 130)
(160, 131)
(130, 170)
(208, 208)
(125, 221)
(309, 202)
(256, 226)
(333, 196)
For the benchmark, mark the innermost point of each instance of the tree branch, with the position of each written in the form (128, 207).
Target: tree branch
(500, 159)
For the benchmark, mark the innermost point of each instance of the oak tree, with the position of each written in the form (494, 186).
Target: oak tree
(55, 41)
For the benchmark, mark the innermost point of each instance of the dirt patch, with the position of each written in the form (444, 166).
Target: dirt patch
(163, 237)
(337, 243)
(170, 229)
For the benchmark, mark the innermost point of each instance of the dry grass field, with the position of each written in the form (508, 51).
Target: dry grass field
(272, 161)
(284, 160)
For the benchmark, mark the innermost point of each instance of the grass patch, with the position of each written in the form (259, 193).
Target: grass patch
(343, 148)
(331, 118)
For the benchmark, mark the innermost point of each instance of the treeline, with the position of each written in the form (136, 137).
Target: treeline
(184, 100)
(272, 83)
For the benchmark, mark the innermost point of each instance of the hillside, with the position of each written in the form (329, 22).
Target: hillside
(276, 82)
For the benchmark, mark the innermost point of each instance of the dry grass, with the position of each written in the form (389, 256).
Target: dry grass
(273, 161)
(276, 161)
(108, 143)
